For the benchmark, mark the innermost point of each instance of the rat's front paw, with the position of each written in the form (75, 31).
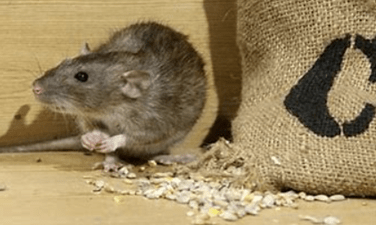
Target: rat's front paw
(111, 144)
(93, 139)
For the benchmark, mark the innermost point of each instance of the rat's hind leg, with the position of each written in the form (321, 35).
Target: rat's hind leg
(111, 163)
(170, 159)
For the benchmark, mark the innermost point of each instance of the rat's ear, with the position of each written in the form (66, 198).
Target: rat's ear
(135, 83)
(85, 49)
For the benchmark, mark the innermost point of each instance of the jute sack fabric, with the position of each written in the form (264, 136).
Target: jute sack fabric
(307, 117)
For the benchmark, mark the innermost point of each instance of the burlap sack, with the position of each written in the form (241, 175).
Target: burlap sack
(307, 117)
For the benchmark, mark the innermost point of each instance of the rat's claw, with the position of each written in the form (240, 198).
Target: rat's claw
(170, 159)
(107, 166)
(110, 164)
(86, 143)
(106, 146)
(109, 145)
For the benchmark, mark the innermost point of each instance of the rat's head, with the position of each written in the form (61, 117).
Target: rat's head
(91, 83)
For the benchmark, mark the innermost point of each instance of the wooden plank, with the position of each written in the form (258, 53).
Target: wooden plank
(36, 35)
(53, 191)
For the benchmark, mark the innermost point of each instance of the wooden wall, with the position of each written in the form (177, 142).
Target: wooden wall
(35, 35)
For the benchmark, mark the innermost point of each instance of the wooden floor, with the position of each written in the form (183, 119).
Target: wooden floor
(49, 188)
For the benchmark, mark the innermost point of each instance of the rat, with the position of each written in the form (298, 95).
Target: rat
(136, 95)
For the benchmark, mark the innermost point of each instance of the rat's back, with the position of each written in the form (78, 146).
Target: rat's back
(148, 36)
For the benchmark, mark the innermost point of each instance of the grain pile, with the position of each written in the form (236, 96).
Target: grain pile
(207, 198)
(213, 195)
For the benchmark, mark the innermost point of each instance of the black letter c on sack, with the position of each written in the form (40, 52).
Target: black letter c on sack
(307, 100)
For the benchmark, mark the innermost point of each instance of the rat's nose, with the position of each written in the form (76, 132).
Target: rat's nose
(37, 89)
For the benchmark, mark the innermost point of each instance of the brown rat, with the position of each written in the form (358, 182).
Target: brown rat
(136, 95)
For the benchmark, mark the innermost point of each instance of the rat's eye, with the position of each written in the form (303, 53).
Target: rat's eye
(81, 76)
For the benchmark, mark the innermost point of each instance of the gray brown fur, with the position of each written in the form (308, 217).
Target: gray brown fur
(164, 113)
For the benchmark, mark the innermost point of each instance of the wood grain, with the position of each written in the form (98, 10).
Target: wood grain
(53, 191)
(36, 35)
